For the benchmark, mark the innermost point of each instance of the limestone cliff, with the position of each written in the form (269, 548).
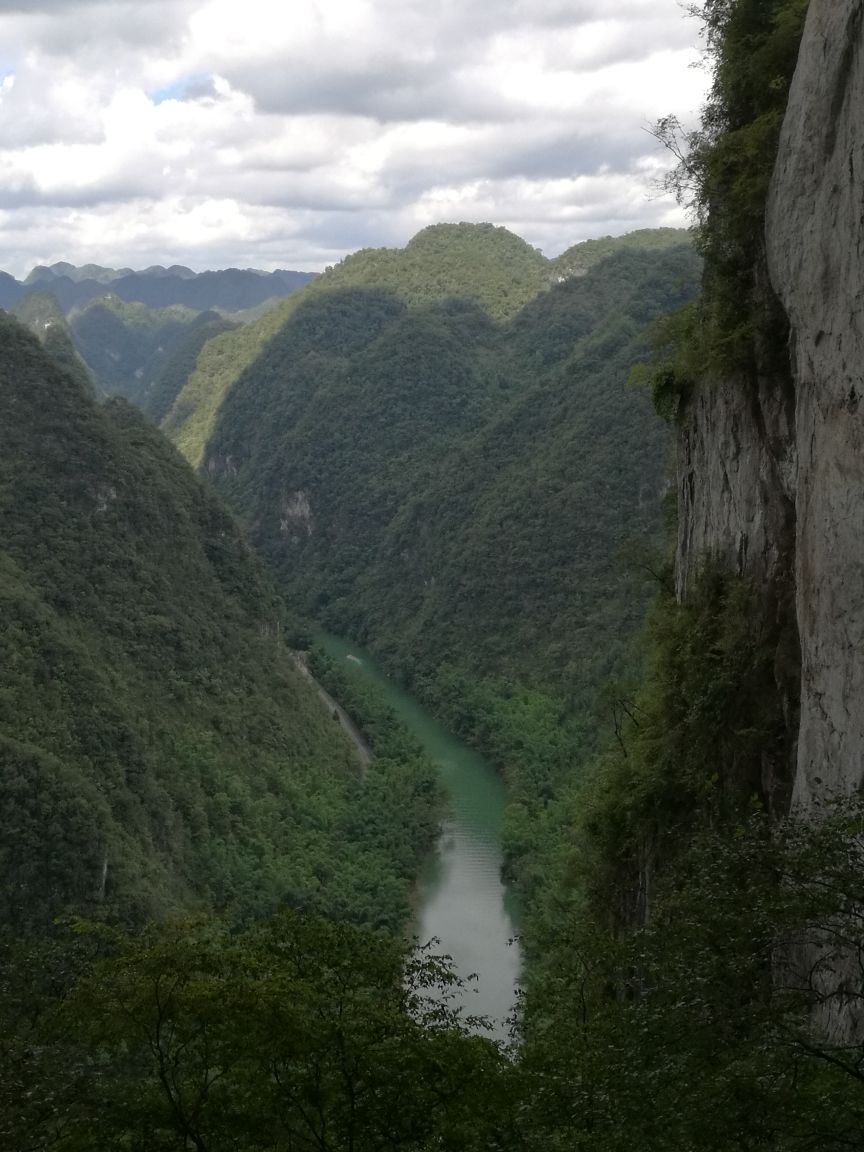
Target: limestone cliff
(770, 465)
(815, 231)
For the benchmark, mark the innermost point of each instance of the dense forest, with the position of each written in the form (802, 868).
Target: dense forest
(138, 334)
(478, 501)
(160, 750)
(450, 454)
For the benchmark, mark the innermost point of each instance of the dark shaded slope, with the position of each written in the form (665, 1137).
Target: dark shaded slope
(332, 428)
(40, 312)
(124, 344)
(158, 750)
(178, 363)
(455, 491)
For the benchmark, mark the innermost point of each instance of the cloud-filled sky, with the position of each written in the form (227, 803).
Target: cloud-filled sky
(264, 133)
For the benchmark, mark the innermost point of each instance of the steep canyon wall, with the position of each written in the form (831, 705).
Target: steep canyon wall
(771, 465)
(815, 231)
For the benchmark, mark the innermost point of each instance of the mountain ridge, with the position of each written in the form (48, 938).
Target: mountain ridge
(404, 272)
(233, 289)
(159, 750)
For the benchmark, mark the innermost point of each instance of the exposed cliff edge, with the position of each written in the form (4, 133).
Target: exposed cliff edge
(770, 464)
(736, 491)
(815, 231)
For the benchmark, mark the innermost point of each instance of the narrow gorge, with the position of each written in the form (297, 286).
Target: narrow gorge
(457, 610)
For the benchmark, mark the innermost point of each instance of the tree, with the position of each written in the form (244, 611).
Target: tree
(301, 1035)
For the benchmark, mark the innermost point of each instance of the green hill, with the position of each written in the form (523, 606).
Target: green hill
(449, 487)
(460, 494)
(41, 313)
(479, 263)
(123, 343)
(220, 362)
(177, 363)
(158, 748)
(579, 258)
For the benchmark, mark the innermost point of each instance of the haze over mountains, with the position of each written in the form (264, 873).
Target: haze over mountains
(233, 289)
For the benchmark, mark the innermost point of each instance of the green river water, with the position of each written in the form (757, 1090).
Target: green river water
(461, 900)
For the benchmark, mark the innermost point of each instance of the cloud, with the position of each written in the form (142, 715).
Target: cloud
(206, 130)
(29, 7)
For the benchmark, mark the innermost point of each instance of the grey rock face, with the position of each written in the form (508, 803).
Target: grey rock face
(771, 478)
(815, 233)
(736, 491)
(736, 481)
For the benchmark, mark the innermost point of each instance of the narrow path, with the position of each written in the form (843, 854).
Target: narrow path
(334, 707)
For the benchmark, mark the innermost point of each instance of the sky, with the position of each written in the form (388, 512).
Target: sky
(269, 133)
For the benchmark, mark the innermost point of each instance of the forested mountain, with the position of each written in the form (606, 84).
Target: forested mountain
(125, 345)
(41, 313)
(159, 751)
(143, 354)
(476, 263)
(405, 465)
(176, 363)
(576, 260)
(489, 266)
(124, 324)
(454, 489)
(459, 493)
(230, 290)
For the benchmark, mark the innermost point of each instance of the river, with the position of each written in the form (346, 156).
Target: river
(461, 900)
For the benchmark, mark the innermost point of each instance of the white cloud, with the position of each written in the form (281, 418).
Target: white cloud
(210, 132)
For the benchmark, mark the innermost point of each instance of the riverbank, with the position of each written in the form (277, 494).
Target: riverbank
(336, 710)
(460, 899)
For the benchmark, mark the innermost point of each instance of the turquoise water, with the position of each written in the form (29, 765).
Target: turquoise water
(461, 900)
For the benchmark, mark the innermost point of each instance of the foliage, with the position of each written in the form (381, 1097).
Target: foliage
(581, 258)
(298, 1034)
(363, 701)
(696, 1032)
(40, 312)
(158, 748)
(488, 266)
(195, 409)
(123, 343)
(399, 779)
(654, 1016)
(723, 173)
(710, 1027)
(478, 262)
(455, 495)
(177, 364)
(675, 364)
(452, 469)
(695, 742)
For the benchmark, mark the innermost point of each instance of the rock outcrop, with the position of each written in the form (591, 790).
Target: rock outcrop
(736, 478)
(815, 232)
(771, 469)
(736, 502)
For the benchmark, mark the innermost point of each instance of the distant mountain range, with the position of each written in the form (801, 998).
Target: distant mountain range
(232, 289)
